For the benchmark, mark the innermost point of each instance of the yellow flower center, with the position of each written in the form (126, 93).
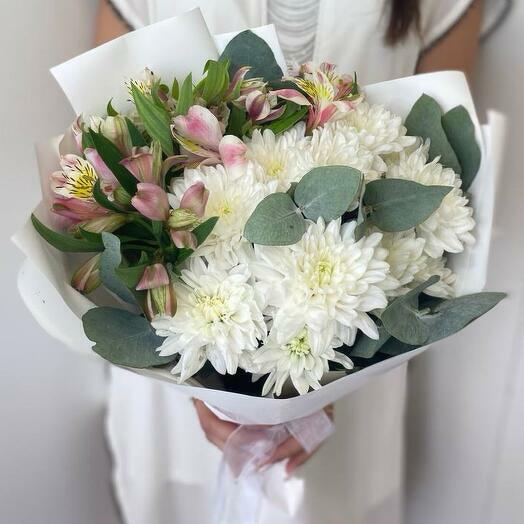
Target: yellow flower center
(224, 208)
(213, 308)
(275, 169)
(80, 180)
(322, 272)
(299, 345)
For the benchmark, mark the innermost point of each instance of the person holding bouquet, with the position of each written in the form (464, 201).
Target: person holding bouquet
(164, 468)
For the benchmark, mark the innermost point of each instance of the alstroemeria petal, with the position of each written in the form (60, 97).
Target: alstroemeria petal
(200, 126)
(195, 199)
(184, 239)
(153, 276)
(273, 115)
(151, 201)
(87, 277)
(232, 152)
(233, 91)
(101, 168)
(78, 210)
(140, 166)
(293, 96)
(257, 105)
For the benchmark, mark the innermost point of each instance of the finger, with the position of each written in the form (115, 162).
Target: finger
(297, 460)
(217, 430)
(287, 449)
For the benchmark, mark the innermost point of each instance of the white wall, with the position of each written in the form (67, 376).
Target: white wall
(54, 467)
(465, 448)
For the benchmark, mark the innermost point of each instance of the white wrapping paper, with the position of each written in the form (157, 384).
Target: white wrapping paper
(44, 279)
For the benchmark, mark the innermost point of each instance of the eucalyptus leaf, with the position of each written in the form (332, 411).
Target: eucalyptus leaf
(110, 260)
(156, 119)
(394, 347)
(450, 316)
(460, 131)
(112, 158)
(397, 204)
(65, 243)
(276, 221)
(123, 338)
(365, 347)
(425, 120)
(402, 317)
(248, 49)
(327, 191)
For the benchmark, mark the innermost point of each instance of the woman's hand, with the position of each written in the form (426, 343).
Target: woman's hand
(217, 432)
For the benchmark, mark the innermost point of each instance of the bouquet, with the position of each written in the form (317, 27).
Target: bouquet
(263, 240)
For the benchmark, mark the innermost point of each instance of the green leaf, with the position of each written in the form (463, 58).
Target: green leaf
(136, 136)
(87, 141)
(175, 89)
(203, 230)
(111, 111)
(248, 49)
(276, 221)
(65, 243)
(110, 260)
(102, 199)
(460, 131)
(131, 275)
(237, 120)
(287, 121)
(112, 157)
(402, 317)
(156, 119)
(123, 338)
(185, 100)
(158, 229)
(365, 347)
(450, 316)
(394, 347)
(425, 120)
(398, 204)
(216, 81)
(327, 191)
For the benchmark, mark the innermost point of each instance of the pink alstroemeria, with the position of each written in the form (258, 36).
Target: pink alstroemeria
(200, 137)
(154, 276)
(87, 277)
(71, 142)
(195, 199)
(184, 239)
(109, 182)
(145, 165)
(328, 92)
(160, 301)
(78, 210)
(108, 223)
(151, 201)
(115, 129)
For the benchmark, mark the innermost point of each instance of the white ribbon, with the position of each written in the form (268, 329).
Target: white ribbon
(240, 483)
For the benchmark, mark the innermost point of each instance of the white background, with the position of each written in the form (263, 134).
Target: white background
(465, 458)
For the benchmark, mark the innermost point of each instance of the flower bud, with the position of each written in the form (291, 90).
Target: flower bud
(87, 277)
(195, 199)
(122, 196)
(151, 201)
(184, 239)
(107, 223)
(161, 301)
(115, 129)
(153, 276)
(182, 219)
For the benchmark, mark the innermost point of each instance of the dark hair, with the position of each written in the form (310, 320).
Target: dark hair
(404, 15)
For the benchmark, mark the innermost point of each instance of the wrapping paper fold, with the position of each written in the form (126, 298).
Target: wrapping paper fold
(91, 79)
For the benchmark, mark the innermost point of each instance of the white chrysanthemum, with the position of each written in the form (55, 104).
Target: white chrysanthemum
(326, 278)
(338, 144)
(445, 287)
(406, 259)
(303, 358)
(381, 131)
(449, 228)
(279, 158)
(232, 198)
(218, 319)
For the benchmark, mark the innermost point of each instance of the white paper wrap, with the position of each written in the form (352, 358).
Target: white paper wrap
(91, 79)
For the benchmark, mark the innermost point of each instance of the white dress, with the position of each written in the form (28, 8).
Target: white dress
(164, 469)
